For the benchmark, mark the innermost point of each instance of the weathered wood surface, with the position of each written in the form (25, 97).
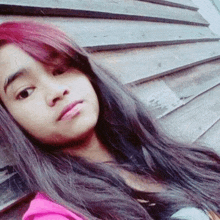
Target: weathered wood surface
(164, 95)
(17, 211)
(188, 4)
(217, 4)
(158, 97)
(191, 121)
(118, 9)
(97, 34)
(111, 34)
(12, 190)
(189, 83)
(4, 176)
(211, 137)
(139, 65)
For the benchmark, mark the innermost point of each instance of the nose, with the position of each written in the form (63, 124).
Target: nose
(55, 92)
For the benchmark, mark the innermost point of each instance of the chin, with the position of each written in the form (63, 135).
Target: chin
(64, 140)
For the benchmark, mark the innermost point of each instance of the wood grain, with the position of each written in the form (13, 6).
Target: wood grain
(16, 211)
(166, 94)
(12, 190)
(140, 65)
(189, 83)
(158, 98)
(117, 9)
(175, 3)
(98, 35)
(191, 121)
(211, 137)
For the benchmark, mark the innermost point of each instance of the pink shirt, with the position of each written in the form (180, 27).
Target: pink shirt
(42, 208)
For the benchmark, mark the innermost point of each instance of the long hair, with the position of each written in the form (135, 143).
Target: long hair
(190, 175)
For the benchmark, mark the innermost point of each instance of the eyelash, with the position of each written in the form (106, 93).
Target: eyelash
(56, 72)
(18, 97)
(60, 71)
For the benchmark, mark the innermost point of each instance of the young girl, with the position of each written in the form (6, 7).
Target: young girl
(85, 145)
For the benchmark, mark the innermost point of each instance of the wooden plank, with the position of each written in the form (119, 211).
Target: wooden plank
(97, 34)
(117, 9)
(211, 137)
(175, 3)
(210, 13)
(164, 95)
(189, 83)
(17, 211)
(189, 122)
(11, 191)
(140, 65)
(110, 34)
(217, 4)
(158, 98)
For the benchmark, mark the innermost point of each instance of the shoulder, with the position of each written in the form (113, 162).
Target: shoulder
(190, 213)
(43, 208)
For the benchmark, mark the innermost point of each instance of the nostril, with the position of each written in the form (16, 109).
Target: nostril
(56, 99)
(65, 92)
(58, 96)
(53, 102)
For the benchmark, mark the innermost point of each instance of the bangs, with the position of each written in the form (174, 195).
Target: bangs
(45, 43)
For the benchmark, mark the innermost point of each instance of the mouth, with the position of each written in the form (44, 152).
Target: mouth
(70, 111)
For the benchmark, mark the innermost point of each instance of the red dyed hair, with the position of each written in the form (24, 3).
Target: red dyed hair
(41, 41)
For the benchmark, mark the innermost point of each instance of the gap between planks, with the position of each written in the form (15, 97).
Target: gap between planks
(189, 122)
(179, 88)
(133, 10)
(184, 4)
(98, 35)
(151, 63)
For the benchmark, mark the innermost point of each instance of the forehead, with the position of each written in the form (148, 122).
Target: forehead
(12, 57)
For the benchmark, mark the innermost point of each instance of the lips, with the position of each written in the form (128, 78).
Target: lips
(70, 111)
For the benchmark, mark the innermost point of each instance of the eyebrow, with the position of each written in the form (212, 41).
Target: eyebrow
(13, 77)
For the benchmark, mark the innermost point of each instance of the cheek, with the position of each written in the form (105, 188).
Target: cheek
(94, 100)
(84, 88)
(27, 116)
(95, 107)
(22, 118)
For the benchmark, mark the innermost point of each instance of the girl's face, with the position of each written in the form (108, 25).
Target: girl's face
(55, 107)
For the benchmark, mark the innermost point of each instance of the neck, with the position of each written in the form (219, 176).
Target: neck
(91, 149)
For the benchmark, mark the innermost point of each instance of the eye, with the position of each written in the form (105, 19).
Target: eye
(59, 71)
(25, 93)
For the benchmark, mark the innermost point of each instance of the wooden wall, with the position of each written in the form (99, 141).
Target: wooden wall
(163, 49)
